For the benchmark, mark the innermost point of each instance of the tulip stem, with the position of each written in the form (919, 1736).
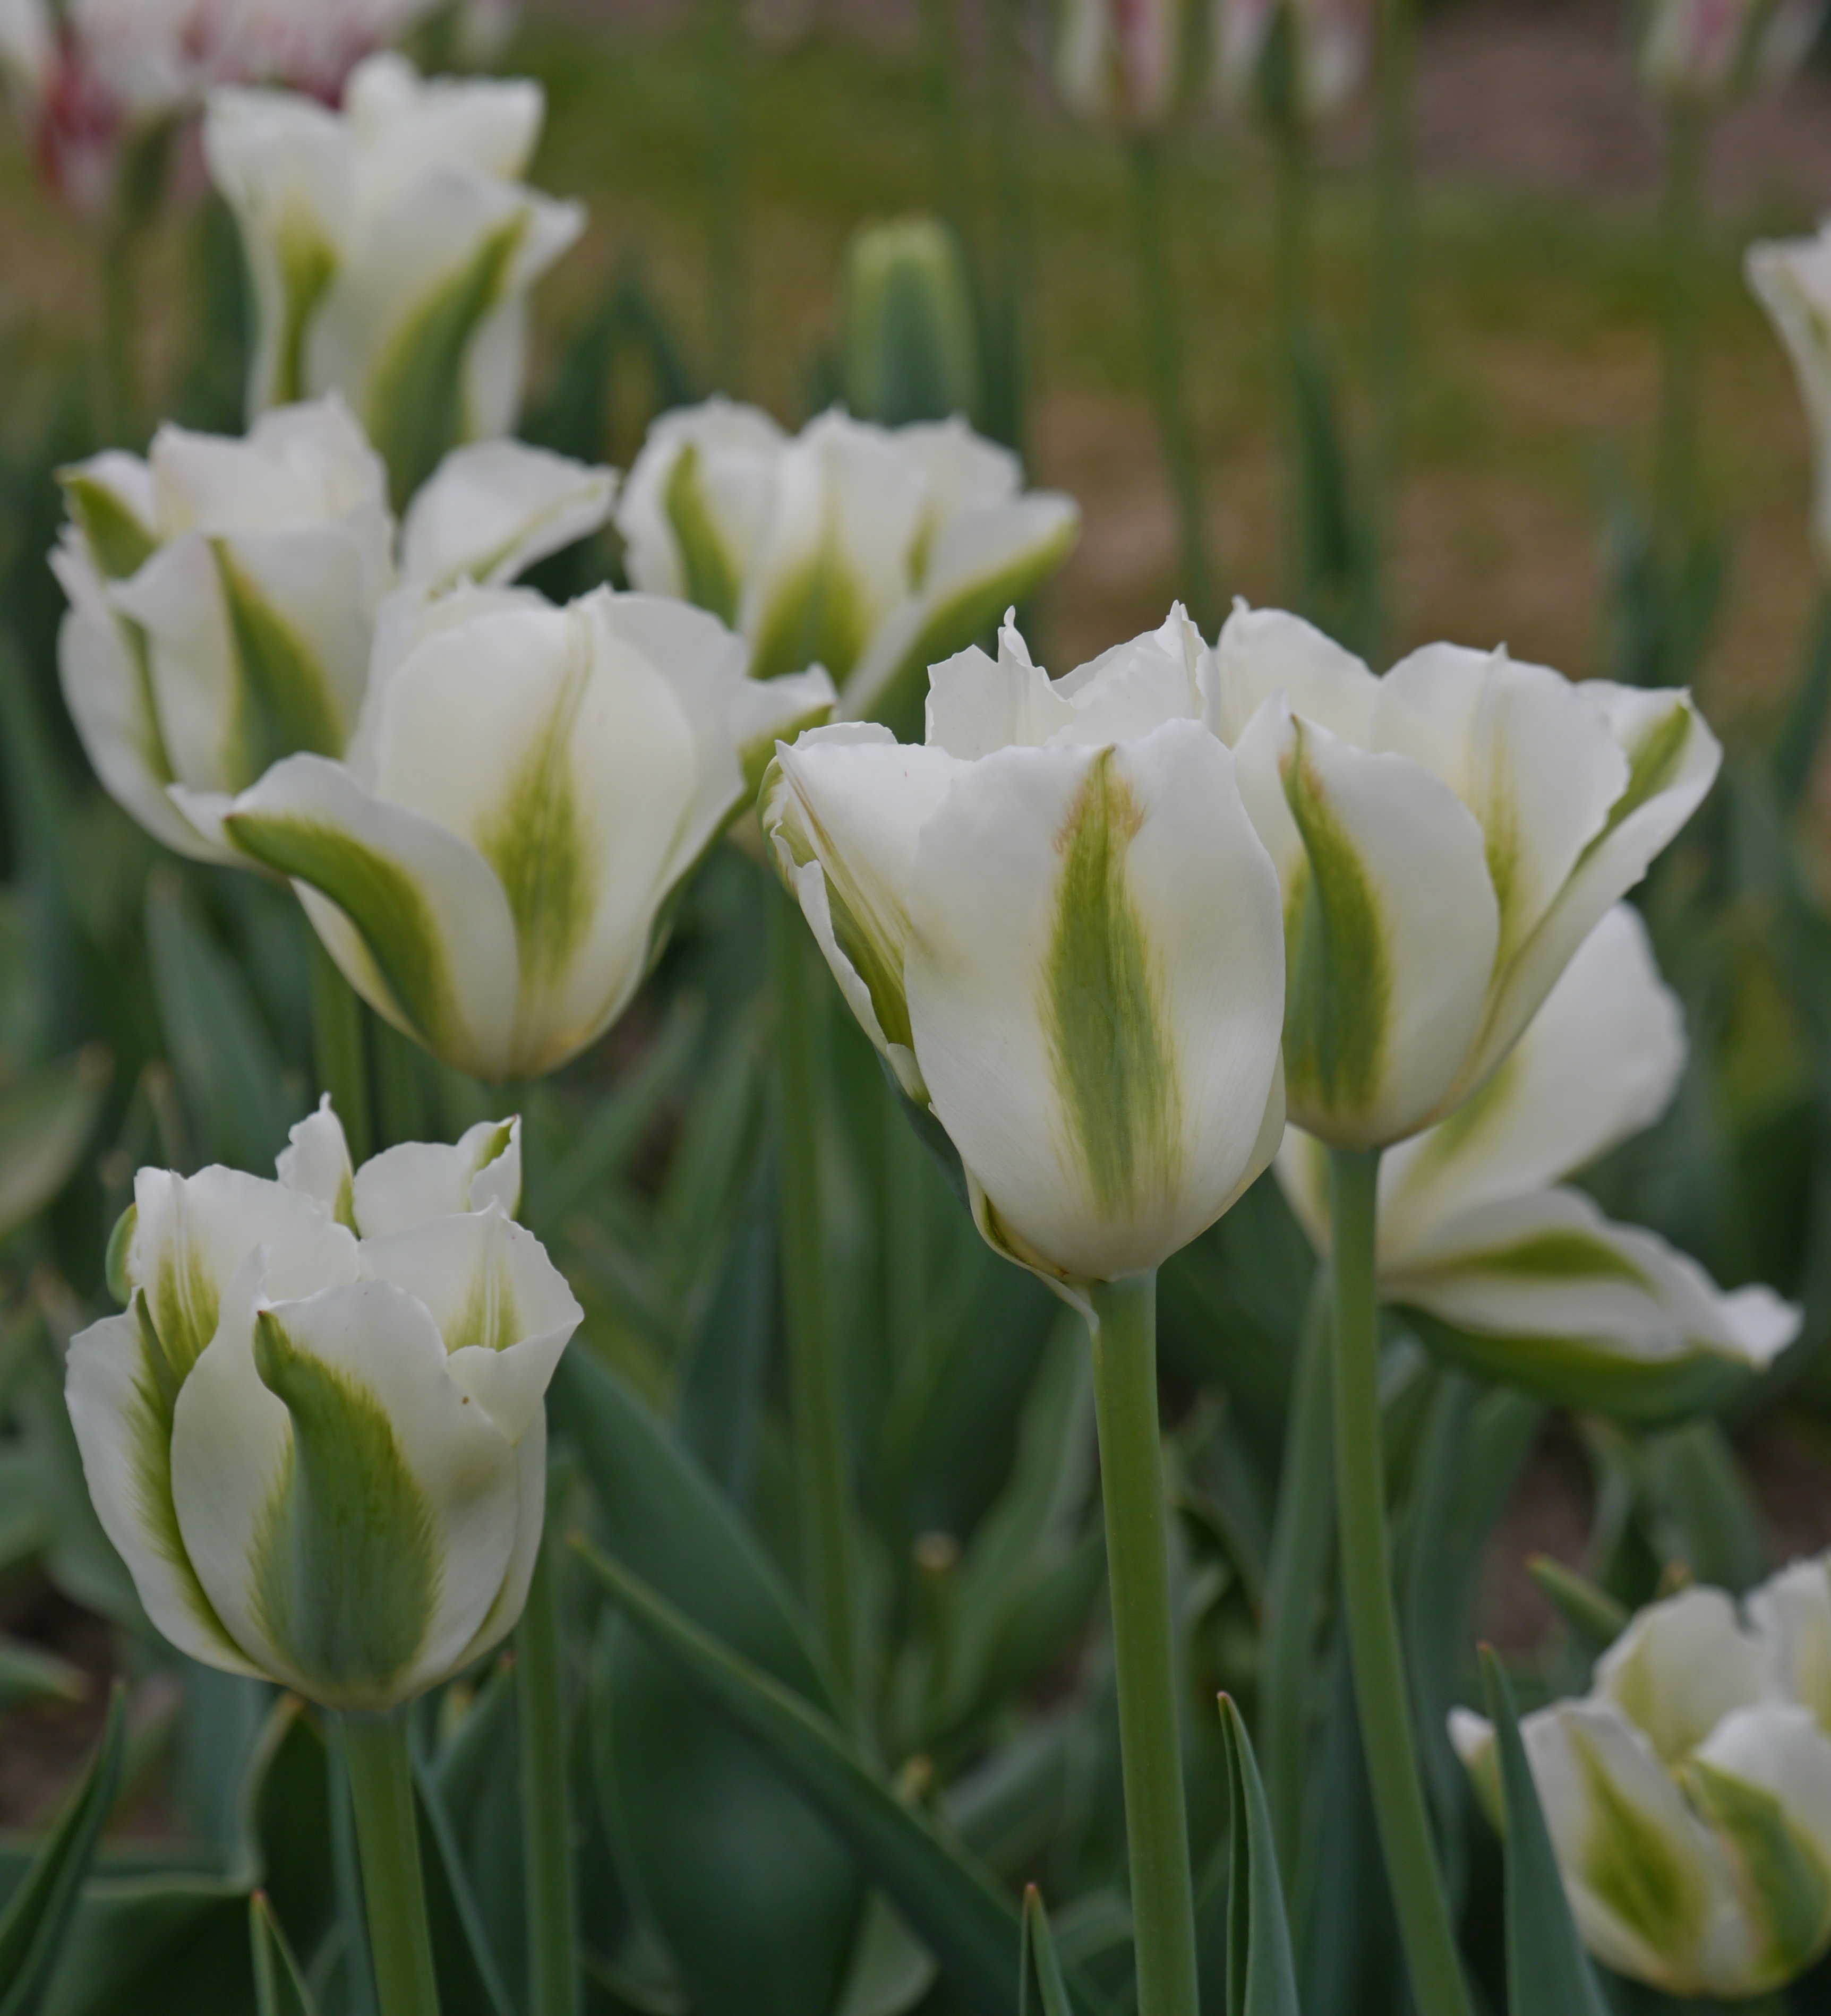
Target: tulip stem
(1396, 65)
(1124, 1332)
(546, 1820)
(813, 1372)
(388, 1838)
(1425, 1926)
(337, 1052)
(1164, 358)
(1302, 1541)
(1675, 476)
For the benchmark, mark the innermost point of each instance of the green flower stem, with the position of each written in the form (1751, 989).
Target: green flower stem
(1137, 1559)
(813, 1371)
(546, 1820)
(1397, 65)
(337, 1052)
(1675, 475)
(726, 95)
(388, 1838)
(347, 1877)
(1008, 286)
(1164, 356)
(1302, 1550)
(1429, 1938)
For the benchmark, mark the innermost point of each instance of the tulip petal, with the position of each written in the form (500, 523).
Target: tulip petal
(404, 123)
(1791, 1614)
(350, 1513)
(317, 1161)
(1263, 652)
(1390, 925)
(405, 1184)
(694, 509)
(414, 916)
(491, 509)
(1093, 985)
(511, 1599)
(502, 1307)
(1791, 280)
(1680, 1668)
(1598, 1062)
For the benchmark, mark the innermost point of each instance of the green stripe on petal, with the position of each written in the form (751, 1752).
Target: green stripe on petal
(1631, 1866)
(1340, 991)
(283, 703)
(120, 543)
(711, 576)
(416, 403)
(1654, 765)
(306, 264)
(1559, 1256)
(1114, 1068)
(379, 898)
(345, 1563)
(538, 845)
(814, 618)
(1790, 1885)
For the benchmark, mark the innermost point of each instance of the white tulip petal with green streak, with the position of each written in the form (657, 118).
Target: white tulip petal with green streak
(1263, 652)
(1680, 1667)
(405, 1185)
(349, 1513)
(493, 509)
(843, 808)
(403, 123)
(309, 464)
(414, 915)
(316, 1161)
(1791, 280)
(1791, 1614)
(1094, 983)
(1390, 925)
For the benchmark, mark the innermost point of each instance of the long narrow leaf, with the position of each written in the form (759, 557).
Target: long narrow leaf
(1549, 1974)
(279, 1988)
(1039, 1968)
(1261, 1976)
(972, 1928)
(32, 1932)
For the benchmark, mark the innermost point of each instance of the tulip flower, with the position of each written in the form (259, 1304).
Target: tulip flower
(1689, 1793)
(492, 864)
(1791, 280)
(1446, 837)
(1524, 1277)
(316, 1434)
(910, 343)
(224, 594)
(1122, 62)
(1301, 59)
(1705, 51)
(871, 552)
(392, 247)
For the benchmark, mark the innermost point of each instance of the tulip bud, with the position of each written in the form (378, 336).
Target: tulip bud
(491, 868)
(867, 550)
(1705, 51)
(1791, 280)
(1122, 62)
(910, 346)
(1055, 921)
(1300, 62)
(317, 1435)
(1446, 836)
(392, 247)
(1688, 1794)
(1524, 1278)
(224, 595)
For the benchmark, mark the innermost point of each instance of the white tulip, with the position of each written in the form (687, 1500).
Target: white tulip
(1446, 837)
(868, 550)
(1328, 44)
(1791, 280)
(224, 595)
(1476, 1229)
(492, 867)
(1688, 1794)
(1054, 921)
(317, 1435)
(393, 246)
(1707, 50)
(1122, 62)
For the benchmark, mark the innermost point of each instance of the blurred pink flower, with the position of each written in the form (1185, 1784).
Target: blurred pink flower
(1331, 43)
(1705, 49)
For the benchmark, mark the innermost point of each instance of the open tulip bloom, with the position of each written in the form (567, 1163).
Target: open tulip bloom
(392, 246)
(1791, 280)
(224, 594)
(870, 551)
(1689, 1793)
(317, 1433)
(1515, 1273)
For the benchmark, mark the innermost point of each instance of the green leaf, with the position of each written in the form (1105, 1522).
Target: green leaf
(279, 1988)
(1261, 1977)
(1802, 728)
(1548, 1973)
(29, 1674)
(1591, 1613)
(1040, 1987)
(45, 1123)
(970, 1925)
(1703, 1513)
(39, 1915)
(469, 1978)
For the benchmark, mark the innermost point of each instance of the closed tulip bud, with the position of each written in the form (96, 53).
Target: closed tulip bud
(317, 1435)
(224, 594)
(1298, 61)
(869, 551)
(1446, 837)
(1124, 63)
(1055, 921)
(1688, 1794)
(392, 246)
(1522, 1276)
(1791, 280)
(492, 866)
(1705, 51)
(910, 344)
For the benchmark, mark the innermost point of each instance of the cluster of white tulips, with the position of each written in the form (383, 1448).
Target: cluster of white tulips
(1125, 940)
